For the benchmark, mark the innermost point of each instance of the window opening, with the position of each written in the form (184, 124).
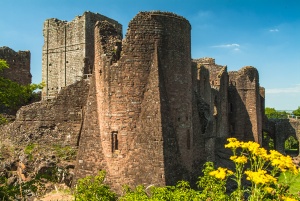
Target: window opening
(114, 141)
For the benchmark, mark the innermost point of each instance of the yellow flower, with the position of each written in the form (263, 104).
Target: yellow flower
(282, 162)
(288, 199)
(260, 177)
(221, 173)
(269, 189)
(233, 143)
(251, 146)
(239, 159)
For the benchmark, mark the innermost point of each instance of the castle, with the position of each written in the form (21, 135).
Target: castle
(139, 107)
(152, 115)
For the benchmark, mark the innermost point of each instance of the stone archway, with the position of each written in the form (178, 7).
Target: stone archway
(291, 145)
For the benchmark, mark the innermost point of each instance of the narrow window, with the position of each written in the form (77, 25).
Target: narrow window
(114, 141)
(188, 140)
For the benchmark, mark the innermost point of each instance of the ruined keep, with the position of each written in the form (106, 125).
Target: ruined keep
(68, 51)
(153, 109)
(19, 65)
(148, 114)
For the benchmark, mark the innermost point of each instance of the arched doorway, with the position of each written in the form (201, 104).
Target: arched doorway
(291, 146)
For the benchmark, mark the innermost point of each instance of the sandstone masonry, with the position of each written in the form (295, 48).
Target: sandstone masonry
(19, 65)
(68, 51)
(148, 114)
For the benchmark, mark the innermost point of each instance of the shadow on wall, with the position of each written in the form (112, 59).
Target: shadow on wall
(284, 128)
(240, 125)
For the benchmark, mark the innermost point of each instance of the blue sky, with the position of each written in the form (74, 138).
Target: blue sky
(260, 33)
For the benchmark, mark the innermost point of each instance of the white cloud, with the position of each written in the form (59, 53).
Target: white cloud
(294, 89)
(274, 30)
(233, 45)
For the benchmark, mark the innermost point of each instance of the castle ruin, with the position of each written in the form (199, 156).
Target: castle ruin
(148, 113)
(152, 114)
(19, 65)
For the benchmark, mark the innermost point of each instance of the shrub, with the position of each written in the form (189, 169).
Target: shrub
(92, 189)
(181, 192)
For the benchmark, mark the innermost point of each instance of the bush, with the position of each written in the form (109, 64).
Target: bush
(182, 191)
(92, 189)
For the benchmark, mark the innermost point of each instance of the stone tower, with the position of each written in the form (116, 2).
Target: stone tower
(245, 104)
(68, 51)
(140, 107)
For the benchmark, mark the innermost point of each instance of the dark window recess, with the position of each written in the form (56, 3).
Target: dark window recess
(114, 141)
(188, 140)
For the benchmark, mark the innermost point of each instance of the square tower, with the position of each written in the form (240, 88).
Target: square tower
(68, 51)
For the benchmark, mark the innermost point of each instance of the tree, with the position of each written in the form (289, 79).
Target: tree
(297, 112)
(271, 113)
(12, 94)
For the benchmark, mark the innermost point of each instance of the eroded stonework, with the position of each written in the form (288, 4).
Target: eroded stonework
(68, 51)
(148, 114)
(19, 65)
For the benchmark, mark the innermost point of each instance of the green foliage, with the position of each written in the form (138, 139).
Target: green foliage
(3, 65)
(268, 141)
(212, 188)
(291, 143)
(297, 112)
(291, 181)
(14, 95)
(92, 189)
(29, 149)
(3, 120)
(50, 174)
(64, 152)
(181, 192)
(17, 191)
(139, 193)
(271, 113)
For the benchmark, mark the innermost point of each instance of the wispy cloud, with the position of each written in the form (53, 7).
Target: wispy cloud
(274, 30)
(204, 14)
(234, 46)
(294, 89)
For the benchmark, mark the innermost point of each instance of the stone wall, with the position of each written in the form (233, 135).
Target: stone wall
(156, 111)
(68, 51)
(282, 130)
(150, 114)
(245, 111)
(56, 121)
(19, 65)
